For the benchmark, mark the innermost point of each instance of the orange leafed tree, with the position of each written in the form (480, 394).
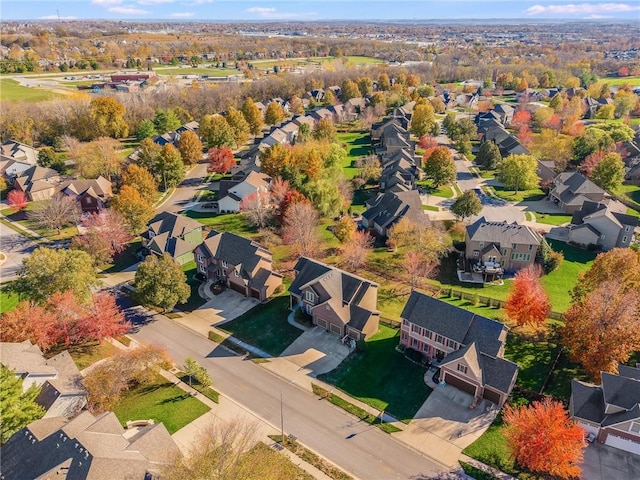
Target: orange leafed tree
(527, 304)
(544, 439)
(520, 119)
(220, 160)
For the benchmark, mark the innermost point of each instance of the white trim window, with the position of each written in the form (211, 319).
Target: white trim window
(202, 268)
(224, 264)
(624, 239)
(635, 427)
(309, 296)
(236, 273)
(462, 368)
(200, 258)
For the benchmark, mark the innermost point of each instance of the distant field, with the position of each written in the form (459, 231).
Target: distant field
(364, 60)
(12, 90)
(212, 72)
(622, 80)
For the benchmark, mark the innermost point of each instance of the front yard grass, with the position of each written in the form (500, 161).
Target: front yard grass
(86, 354)
(521, 196)
(265, 326)
(160, 401)
(444, 191)
(360, 196)
(280, 467)
(8, 299)
(382, 377)
(195, 301)
(552, 218)
(125, 258)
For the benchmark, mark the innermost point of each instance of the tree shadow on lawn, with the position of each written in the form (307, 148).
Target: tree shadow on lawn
(571, 253)
(534, 357)
(382, 377)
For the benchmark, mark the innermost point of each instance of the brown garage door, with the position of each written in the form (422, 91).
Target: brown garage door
(255, 293)
(321, 323)
(460, 384)
(336, 329)
(238, 288)
(491, 396)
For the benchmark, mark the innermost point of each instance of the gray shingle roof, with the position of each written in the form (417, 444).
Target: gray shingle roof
(623, 392)
(586, 402)
(389, 207)
(502, 233)
(172, 223)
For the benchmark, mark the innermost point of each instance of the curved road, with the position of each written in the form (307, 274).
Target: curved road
(360, 449)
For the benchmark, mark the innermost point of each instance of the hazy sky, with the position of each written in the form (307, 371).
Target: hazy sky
(249, 10)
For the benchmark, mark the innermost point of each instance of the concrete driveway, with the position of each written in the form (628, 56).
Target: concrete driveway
(445, 425)
(606, 463)
(221, 309)
(317, 351)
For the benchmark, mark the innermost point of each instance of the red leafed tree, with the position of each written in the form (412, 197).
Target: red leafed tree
(623, 71)
(220, 160)
(279, 189)
(601, 328)
(299, 228)
(357, 249)
(527, 304)
(291, 197)
(17, 200)
(520, 118)
(62, 320)
(590, 162)
(105, 237)
(427, 142)
(544, 439)
(525, 136)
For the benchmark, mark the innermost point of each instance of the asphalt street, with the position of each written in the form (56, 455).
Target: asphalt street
(16, 247)
(358, 448)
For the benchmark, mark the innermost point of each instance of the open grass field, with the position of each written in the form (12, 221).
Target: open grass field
(229, 222)
(635, 81)
(380, 376)
(358, 145)
(162, 402)
(11, 90)
(265, 326)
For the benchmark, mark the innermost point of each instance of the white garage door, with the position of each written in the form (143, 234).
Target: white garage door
(623, 444)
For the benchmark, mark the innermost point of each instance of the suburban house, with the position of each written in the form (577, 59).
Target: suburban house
(378, 128)
(493, 248)
(571, 189)
(399, 175)
(596, 224)
(242, 264)
(174, 234)
(232, 192)
(62, 394)
(468, 347)
(338, 301)
(610, 412)
(505, 112)
(91, 194)
(546, 170)
(38, 183)
(387, 208)
(87, 447)
(15, 158)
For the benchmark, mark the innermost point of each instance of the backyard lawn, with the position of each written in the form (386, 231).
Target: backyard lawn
(229, 222)
(160, 401)
(521, 196)
(265, 326)
(360, 196)
(358, 145)
(125, 258)
(382, 377)
(8, 299)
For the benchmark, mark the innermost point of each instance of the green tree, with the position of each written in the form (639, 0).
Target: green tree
(349, 90)
(325, 131)
(609, 173)
(17, 408)
(440, 167)
(594, 139)
(274, 159)
(556, 102)
(344, 229)
(170, 167)
(238, 125)
(252, 115)
(146, 129)
(141, 180)
(160, 282)
(467, 205)
(489, 156)
(216, 132)
(329, 98)
(274, 114)
(135, 210)
(148, 154)
(107, 115)
(518, 172)
(624, 103)
(190, 148)
(449, 123)
(47, 157)
(166, 121)
(423, 119)
(47, 271)
(191, 368)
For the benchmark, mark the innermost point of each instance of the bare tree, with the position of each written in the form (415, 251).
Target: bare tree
(357, 249)
(257, 208)
(418, 267)
(56, 213)
(299, 228)
(219, 453)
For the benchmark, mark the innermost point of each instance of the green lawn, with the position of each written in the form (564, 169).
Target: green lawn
(431, 208)
(280, 467)
(558, 284)
(534, 358)
(195, 300)
(360, 196)
(634, 81)
(265, 326)
(552, 218)
(8, 299)
(125, 258)
(162, 402)
(382, 377)
(361, 60)
(444, 191)
(229, 222)
(521, 196)
(492, 448)
(631, 191)
(358, 145)
(12, 90)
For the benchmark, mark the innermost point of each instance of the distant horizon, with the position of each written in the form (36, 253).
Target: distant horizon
(252, 11)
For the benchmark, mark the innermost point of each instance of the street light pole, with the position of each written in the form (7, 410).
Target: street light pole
(281, 419)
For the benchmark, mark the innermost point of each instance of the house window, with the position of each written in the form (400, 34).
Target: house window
(415, 328)
(89, 200)
(451, 344)
(224, 264)
(309, 296)
(429, 334)
(635, 427)
(504, 252)
(627, 228)
(514, 246)
(414, 343)
(202, 268)
(476, 253)
(236, 273)
(404, 337)
(481, 244)
(200, 258)
(425, 347)
(602, 237)
(462, 368)
(624, 239)
(530, 247)
(439, 339)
